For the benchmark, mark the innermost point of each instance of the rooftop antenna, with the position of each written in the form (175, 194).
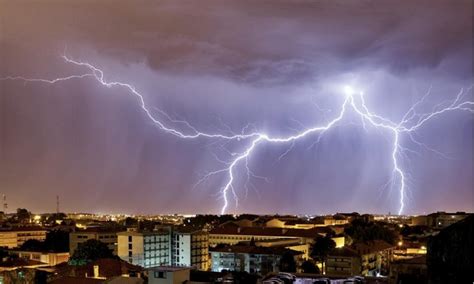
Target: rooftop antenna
(57, 204)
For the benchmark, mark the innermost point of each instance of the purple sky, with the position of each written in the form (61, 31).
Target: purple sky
(221, 65)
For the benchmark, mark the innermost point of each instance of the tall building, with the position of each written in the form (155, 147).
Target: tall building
(165, 246)
(145, 248)
(190, 248)
(105, 235)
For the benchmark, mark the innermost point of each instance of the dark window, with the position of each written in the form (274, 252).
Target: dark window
(160, 274)
(129, 246)
(129, 239)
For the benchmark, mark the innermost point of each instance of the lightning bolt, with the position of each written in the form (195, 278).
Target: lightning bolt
(353, 101)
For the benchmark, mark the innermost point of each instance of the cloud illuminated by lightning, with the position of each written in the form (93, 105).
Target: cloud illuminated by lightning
(354, 102)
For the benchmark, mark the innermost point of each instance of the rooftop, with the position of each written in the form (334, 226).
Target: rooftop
(361, 248)
(22, 229)
(250, 249)
(265, 231)
(169, 268)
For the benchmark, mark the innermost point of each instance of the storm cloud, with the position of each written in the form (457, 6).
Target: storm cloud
(222, 65)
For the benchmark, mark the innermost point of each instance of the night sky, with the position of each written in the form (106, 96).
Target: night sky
(220, 65)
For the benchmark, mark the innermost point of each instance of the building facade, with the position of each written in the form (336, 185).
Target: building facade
(15, 237)
(168, 275)
(234, 235)
(107, 236)
(180, 247)
(51, 258)
(190, 248)
(249, 258)
(145, 248)
(365, 259)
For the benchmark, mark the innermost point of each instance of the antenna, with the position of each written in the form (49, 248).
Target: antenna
(57, 204)
(5, 204)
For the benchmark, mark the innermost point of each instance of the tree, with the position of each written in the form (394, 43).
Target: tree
(129, 222)
(57, 241)
(32, 245)
(3, 254)
(23, 215)
(287, 262)
(55, 217)
(321, 248)
(90, 251)
(363, 231)
(309, 267)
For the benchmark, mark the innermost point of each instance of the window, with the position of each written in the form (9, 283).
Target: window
(129, 246)
(160, 274)
(129, 239)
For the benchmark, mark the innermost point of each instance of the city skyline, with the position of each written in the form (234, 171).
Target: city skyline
(96, 148)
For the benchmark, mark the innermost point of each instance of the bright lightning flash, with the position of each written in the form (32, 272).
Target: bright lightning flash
(353, 101)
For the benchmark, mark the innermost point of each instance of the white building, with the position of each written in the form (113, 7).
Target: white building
(145, 248)
(165, 246)
(190, 248)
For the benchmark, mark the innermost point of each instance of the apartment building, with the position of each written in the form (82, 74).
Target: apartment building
(190, 248)
(249, 258)
(145, 248)
(366, 259)
(15, 237)
(105, 235)
(168, 246)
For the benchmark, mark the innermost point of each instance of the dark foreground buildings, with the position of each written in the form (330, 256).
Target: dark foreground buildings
(450, 254)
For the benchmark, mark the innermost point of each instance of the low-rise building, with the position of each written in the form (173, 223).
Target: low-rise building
(232, 235)
(168, 275)
(362, 258)
(441, 220)
(344, 262)
(15, 237)
(297, 223)
(105, 235)
(51, 258)
(104, 270)
(293, 244)
(412, 270)
(249, 258)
